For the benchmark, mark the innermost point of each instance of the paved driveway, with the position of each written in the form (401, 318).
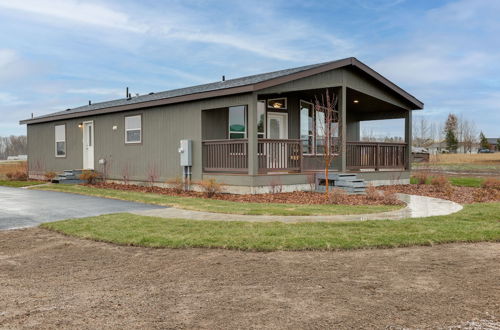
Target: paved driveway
(27, 208)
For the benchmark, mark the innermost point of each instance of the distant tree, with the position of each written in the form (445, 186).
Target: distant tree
(450, 130)
(469, 135)
(13, 146)
(498, 144)
(483, 141)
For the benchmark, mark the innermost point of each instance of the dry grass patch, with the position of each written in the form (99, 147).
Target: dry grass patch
(487, 159)
(11, 167)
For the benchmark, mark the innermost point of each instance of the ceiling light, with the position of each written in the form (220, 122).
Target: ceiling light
(277, 105)
(356, 101)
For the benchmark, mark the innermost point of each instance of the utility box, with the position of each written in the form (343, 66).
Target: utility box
(186, 152)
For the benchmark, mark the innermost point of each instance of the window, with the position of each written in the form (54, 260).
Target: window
(133, 129)
(237, 122)
(261, 119)
(306, 127)
(277, 104)
(60, 137)
(313, 128)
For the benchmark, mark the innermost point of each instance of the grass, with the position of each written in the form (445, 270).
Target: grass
(11, 166)
(457, 181)
(493, 158)
(18, 184)
(475, 223)
(221, 206)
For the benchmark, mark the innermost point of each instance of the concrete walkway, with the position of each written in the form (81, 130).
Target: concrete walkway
(417, 207)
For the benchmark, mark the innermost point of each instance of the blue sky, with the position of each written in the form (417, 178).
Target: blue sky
(60, 54)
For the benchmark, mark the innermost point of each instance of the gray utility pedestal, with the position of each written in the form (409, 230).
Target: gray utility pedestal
(346, 181)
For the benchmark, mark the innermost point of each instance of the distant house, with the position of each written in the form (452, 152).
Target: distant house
(247, 133)
(18, 157)
(441, 147)
(493, 143)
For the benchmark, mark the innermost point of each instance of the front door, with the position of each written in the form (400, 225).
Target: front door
(277, 129)
(88, 145)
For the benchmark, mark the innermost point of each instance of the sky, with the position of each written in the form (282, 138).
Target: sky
(58, 54)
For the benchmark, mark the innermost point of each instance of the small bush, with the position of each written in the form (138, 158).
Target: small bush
(337, 196)
(17, 176)
(90, 176)
(49, 176)
(176, 184)
(372, 193)
(210, 187)
(439, 181)
(421, 177)
(389, 198)
(491, 183)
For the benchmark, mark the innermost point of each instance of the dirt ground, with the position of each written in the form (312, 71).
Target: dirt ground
(49, 280)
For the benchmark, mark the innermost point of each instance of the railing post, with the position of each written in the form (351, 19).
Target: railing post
(301, 158)
(377, 157)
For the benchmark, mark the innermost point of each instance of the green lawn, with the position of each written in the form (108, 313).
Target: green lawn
(458, 181)
(476, 222)
(18, 184)
(220, 206)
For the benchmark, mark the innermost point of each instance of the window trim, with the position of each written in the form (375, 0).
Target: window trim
(135, 129)
(264, 120)
(277, 98)
(55, 142)
(313, 146)
(245, 106)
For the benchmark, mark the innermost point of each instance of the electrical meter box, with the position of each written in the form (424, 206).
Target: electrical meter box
(185, 152)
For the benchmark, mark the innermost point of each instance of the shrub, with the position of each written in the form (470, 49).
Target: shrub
(90, 176)
(439, 181)
(337, 196)
(176, 184)
(17, 176)
(210, 187)
(389, 198)
(491, 183)
(421, 177)
(372, 193)
(49, 176)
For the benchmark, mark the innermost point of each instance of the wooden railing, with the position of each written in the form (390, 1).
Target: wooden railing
(225, 155)
(279, 155)
(376, 155)
(232, 155)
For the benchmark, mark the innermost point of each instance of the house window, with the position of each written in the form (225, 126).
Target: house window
(306, 127)
(60, 139)
(237, 122)
(261, 119)
(277, 104)
(133, 129)
(313, 128)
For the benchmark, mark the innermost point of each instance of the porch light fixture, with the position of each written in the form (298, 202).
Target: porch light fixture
(80, 125)
(356, 101)
(277, 105)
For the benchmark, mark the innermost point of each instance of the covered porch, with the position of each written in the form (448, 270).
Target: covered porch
(277, 133)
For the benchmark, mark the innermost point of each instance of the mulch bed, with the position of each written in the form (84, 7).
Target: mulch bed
(461, 195)
(298, 197)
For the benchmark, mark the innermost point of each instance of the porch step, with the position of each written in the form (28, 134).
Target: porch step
(69, 177)
(346, 181)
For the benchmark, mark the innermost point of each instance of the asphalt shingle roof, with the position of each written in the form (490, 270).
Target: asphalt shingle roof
(237, 82)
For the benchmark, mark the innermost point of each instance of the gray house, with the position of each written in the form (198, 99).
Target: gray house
(248, 133)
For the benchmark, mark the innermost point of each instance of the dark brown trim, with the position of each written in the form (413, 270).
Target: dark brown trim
(238, 90)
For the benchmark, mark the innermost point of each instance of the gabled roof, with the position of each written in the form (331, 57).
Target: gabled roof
(492, 140)
(220, 88)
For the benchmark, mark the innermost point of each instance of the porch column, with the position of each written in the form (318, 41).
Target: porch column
(343, 127)
(253, 161)
(408, 138)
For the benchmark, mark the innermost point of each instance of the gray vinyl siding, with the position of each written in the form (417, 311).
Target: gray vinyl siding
(162, 129)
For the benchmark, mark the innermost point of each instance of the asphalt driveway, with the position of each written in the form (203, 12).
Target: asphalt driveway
(27, 208)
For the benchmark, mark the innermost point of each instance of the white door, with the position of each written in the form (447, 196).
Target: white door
(88, 145)
(277, 129)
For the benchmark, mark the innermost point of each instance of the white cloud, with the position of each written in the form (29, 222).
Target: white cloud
(76, 11)
(97, 91)
(7, 99)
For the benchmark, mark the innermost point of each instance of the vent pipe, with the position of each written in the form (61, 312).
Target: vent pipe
(127, 95)
(90, 102)
(223, 78)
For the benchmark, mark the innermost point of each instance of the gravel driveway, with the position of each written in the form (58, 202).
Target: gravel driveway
(27, 208)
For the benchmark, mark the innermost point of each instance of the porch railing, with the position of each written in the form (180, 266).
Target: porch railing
(225, 155)
(279, 155)
(376, 155)
(232, 155)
